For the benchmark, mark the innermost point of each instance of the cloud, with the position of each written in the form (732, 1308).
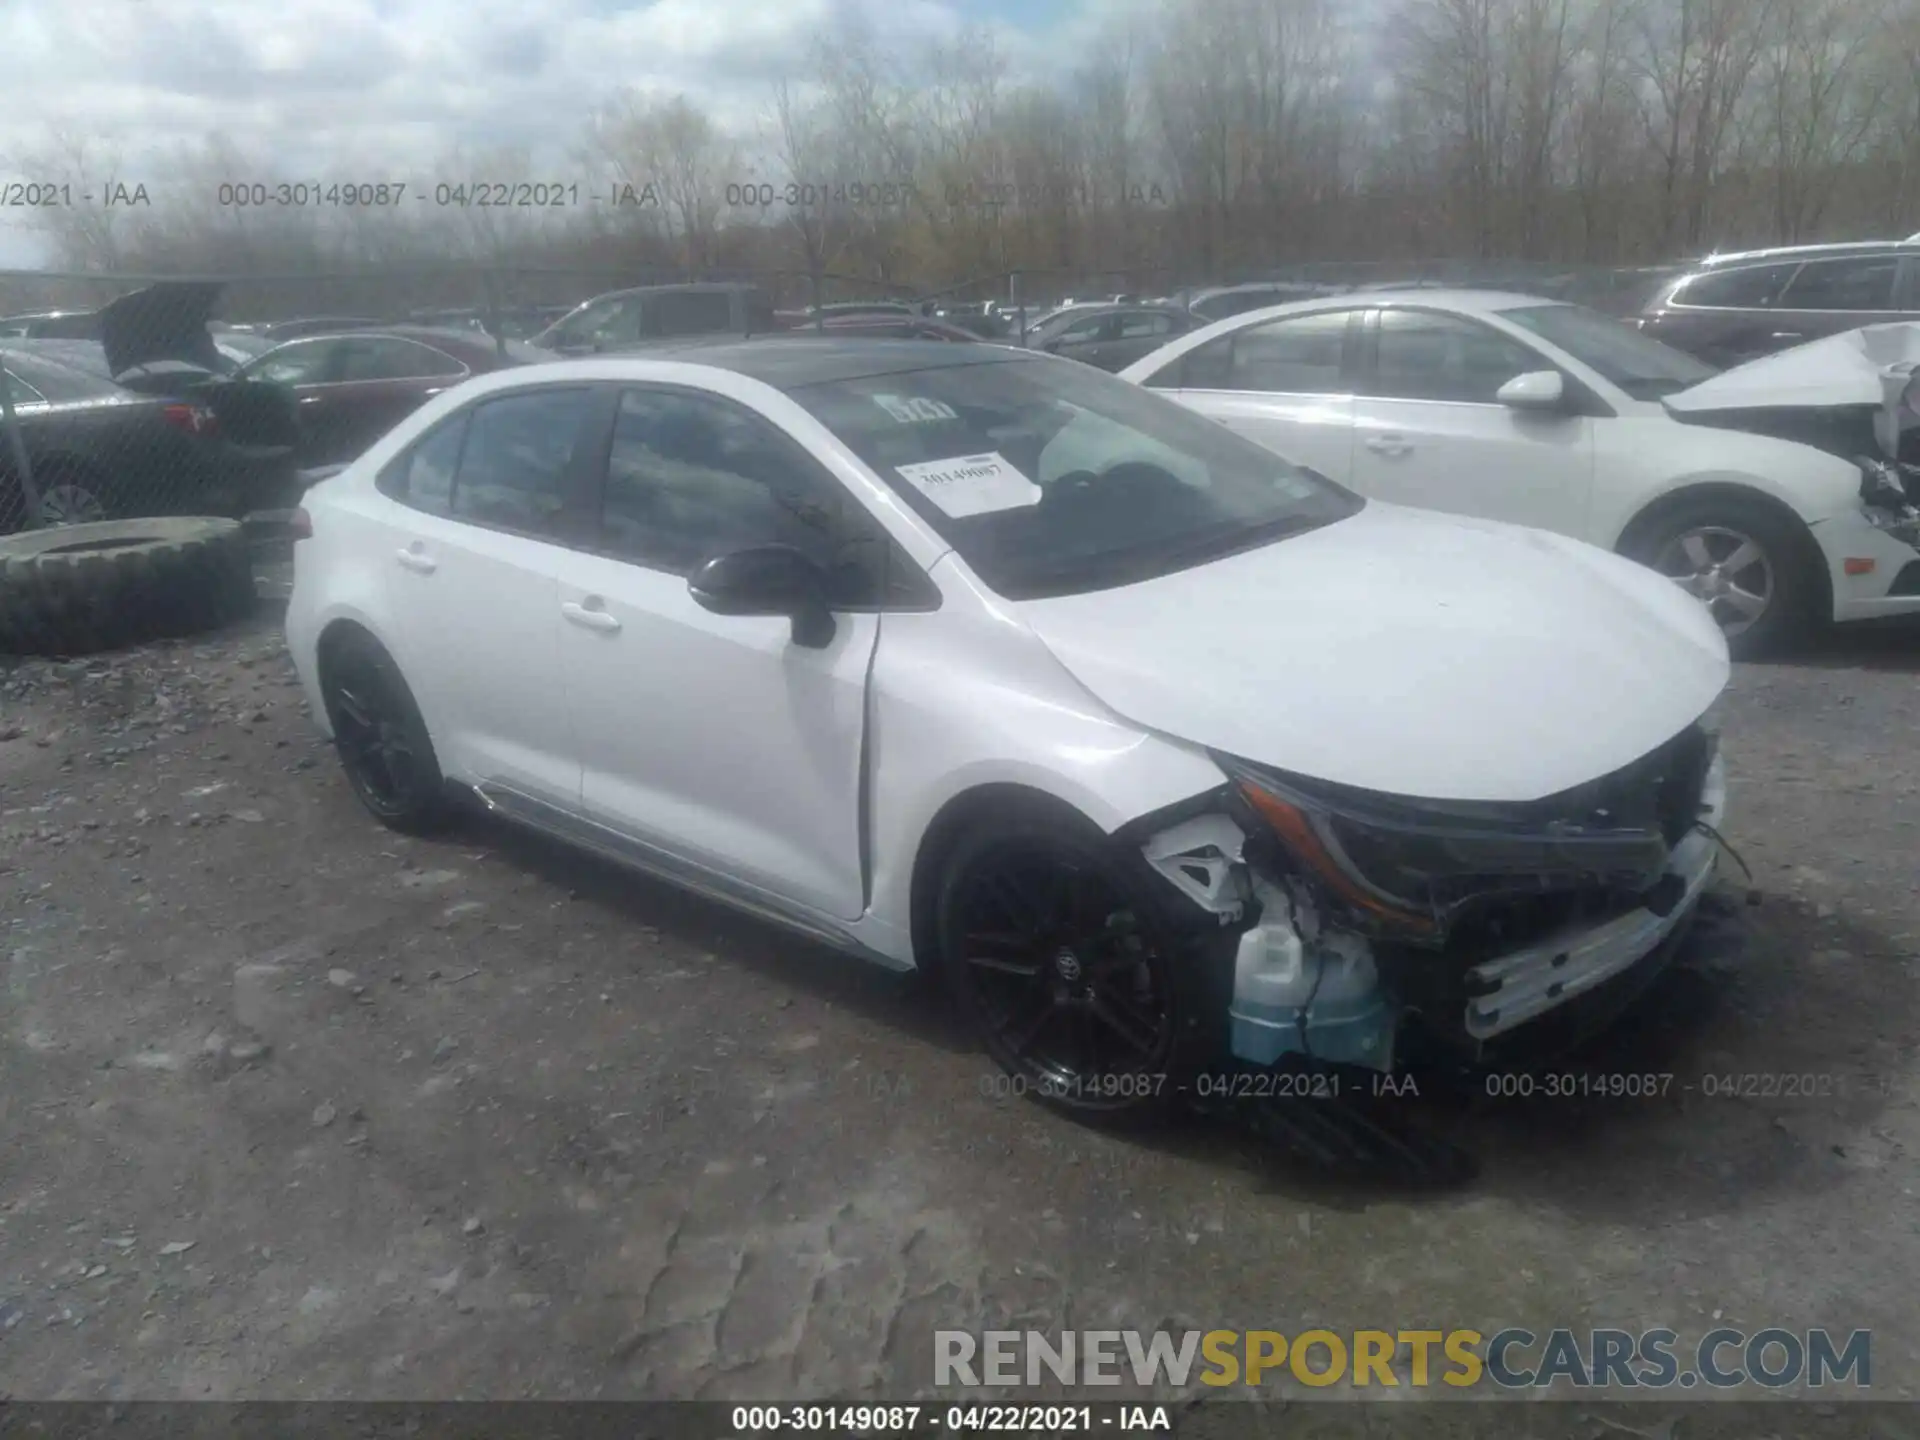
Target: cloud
(381, 89)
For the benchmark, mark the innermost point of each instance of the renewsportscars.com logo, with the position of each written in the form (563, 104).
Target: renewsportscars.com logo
(1512, 1359)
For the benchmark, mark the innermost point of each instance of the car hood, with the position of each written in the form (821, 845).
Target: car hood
(165, 321)
(1405, 652)
(1871, 367)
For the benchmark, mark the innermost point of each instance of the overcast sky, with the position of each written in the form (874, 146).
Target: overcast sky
(383, 86)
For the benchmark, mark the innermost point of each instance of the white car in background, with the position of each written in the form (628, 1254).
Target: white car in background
(1550, 415)
(1166, 756)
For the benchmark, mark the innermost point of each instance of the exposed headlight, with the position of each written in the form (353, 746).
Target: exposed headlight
(1888, 492)
(1408, 874)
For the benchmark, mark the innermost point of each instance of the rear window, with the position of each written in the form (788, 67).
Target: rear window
(1853, 284)
(58, 383)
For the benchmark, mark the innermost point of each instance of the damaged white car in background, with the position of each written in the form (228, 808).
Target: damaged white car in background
(1171, 760)
(1772, 493)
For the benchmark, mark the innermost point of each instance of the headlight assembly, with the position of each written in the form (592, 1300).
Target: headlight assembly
(1407, 871)
(1887, 497)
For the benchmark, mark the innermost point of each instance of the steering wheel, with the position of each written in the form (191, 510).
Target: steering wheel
(1073, 485)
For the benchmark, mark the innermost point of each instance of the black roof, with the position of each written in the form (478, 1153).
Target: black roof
(800, 360)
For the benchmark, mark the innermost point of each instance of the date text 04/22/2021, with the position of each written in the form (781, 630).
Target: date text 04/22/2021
(956, 1419)
(457, 194)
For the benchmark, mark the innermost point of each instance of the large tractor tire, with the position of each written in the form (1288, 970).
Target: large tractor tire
(80, 589)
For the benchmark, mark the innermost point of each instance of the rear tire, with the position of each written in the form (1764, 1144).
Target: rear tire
(380, 736)
(1754, 568)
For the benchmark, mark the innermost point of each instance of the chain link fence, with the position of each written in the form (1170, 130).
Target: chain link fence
(136, 395)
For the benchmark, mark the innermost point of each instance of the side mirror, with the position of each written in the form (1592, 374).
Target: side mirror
(768, 580)
(1536, 390)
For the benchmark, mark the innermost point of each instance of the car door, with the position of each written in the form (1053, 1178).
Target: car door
(1428, 430)
(1286, 384)
(380, 380)
(1829, 296)
(717, 741)
(308, 369)
(488, 502)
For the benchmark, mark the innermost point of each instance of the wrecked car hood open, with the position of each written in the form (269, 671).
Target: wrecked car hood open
(1802, 393)
(165, 321)
(156, 341)
(1406, 652)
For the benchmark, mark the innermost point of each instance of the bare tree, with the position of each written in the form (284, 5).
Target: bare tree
(1820, 95)
(670, 149)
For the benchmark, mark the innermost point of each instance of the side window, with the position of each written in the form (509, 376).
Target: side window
(689, 312)
(1752, 287)
(611, 322)
(1423, 356)
(1301, 356)
(513, 469)
(375, 358)
(1083, 333)
(1144, 323)
(1858, 284)
(693, 476)
(300, 362)
(423, 476)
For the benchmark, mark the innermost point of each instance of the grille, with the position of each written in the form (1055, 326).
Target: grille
(1660, 789)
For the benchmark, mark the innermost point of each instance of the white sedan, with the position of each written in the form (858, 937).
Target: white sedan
(1550, 415)
(1172, 760)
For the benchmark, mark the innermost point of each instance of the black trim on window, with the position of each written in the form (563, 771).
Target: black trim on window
(920, 595)
(1583, 399)
(569, 522)
(392, 479)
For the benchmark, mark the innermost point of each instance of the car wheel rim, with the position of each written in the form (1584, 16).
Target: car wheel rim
(70, 505)
(1062, 975)
(370, 732)
(1727, 571)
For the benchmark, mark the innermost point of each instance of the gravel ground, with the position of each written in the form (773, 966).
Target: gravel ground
(293, 1108)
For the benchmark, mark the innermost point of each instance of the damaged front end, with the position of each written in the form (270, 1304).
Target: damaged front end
(1362, 920)
(1854, 395)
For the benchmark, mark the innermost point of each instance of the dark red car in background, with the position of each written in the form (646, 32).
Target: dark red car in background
(352, 388)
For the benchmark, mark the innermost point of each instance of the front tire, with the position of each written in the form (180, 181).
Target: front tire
(1061, 968)
(380, 737)
(1753, 569)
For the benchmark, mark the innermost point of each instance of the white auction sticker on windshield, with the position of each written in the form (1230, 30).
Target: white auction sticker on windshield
(916, 409)
(972, 484)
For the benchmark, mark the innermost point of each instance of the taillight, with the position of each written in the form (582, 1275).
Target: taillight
(300, 524)
(194, 419)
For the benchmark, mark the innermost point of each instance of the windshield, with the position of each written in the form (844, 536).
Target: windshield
(1640, 365)
(1051, 478)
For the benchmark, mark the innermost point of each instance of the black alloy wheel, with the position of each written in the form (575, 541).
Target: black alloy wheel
(379, 735)
(1060, 972)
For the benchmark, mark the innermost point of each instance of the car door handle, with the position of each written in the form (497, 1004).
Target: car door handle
(589, 617)
(417, 560)
(311, 399)
(1389, 445)
(1789, 335)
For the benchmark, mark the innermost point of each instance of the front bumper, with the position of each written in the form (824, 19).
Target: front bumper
(1512, 989)
(1878, 593)
(1305, 989)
